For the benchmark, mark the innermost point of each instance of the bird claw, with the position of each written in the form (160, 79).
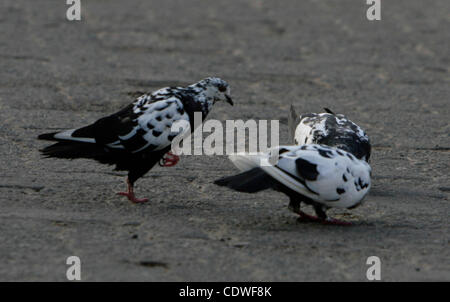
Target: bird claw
(308, 218)
(169, 160)
(331, 221)
(133, 198)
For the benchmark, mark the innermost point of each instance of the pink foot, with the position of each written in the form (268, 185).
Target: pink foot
(130, 194)
(309, 218)
(169, 160)
(306, 217)
(133, 198)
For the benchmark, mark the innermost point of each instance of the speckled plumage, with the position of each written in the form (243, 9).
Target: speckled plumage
(137, 137)
(329, 129)
(319, 175)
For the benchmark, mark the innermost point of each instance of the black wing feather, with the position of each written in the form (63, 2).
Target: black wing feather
(293, 120)
(306, 169)
(328, 110)
(251, 181)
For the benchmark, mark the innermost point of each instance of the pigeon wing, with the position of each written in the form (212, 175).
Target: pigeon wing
(327, 175)
(148, 126)
(143, 125)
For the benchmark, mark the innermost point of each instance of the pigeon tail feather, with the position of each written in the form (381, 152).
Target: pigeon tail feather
(84, 135)
(293, 120)
(48, 136)
(68, 149)
(251, 181)
(247, 161)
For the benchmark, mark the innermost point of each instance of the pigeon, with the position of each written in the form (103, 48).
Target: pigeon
(329, 129)
(318, 175)
(137, 137)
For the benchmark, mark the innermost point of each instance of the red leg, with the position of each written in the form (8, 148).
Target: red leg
(306, 217)
(309, 218)
(169, 160)
(130, 194)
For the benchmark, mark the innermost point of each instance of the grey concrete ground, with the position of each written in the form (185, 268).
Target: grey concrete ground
(390, 76)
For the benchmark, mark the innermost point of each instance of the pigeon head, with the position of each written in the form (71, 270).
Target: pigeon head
(215, 89)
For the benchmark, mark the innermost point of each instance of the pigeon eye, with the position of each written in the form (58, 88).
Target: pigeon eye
(222, 88)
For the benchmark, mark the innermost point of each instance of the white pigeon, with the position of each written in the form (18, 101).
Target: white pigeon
(329, 129)
(138, 136)
(322, 176)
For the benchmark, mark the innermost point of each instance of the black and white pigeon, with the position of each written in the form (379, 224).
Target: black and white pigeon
(138, 136)
(329, 129)
(322, 176)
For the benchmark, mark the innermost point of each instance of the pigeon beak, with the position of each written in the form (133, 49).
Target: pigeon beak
(229, 100)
